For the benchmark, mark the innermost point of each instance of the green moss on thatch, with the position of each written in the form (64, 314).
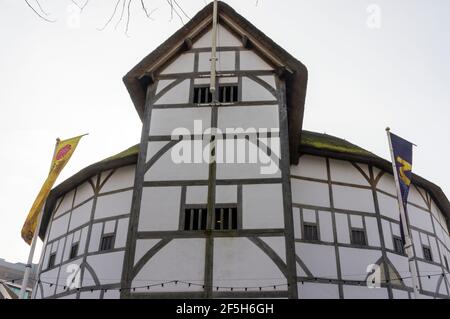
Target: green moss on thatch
(331, 143)
(133, 150)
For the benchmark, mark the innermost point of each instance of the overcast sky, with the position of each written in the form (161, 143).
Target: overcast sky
(64, 78)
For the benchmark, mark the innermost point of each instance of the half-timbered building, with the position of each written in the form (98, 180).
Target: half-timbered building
(306, 219)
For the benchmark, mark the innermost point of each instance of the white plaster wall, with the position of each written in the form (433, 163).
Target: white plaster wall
(142, 247)
(226, 61)
(309, 290)
(387, 184)
(84, 191)
(354, 262)
(401, 265)
(166, 168)
(342, 228)
(269, 79)
(153, 148)
(425, 269)
(162, 84)
(59, 227)
(251, 61)
(107, 267)
(80, 215)
(262, 206)
(226, 194)
(363, 292)
(179, 94)
(96, 233)
(387, 234)
(373, 234)
(68, 246)
(234, 265)
(345, 172)
(278, 245)
(164, 121)
(122, 178)
(310, 166)
(49, 277)
(182, 64)
(181, 259)
(245, 117)
(157, 214)
(420, 218)
(113, 204)
(83, 237)
(415, 197)
(224, 39)
(326, 226)
(65, 205)
(319, 259)
(253, 91)
(353, 198)
(297, 223)
(388, 206)
(310, 193)
(121, 234)
(67, 271)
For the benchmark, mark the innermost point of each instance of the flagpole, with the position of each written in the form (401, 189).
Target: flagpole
(408, 242)
(29, 264)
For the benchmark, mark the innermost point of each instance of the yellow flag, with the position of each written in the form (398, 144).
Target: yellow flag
(63, 152)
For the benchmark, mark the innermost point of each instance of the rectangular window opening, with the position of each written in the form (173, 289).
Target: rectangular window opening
(427, 253)
(107, 242)
(227, 94)
(225, 218)
(311, 232)
(399, 247)
(195, 218)
(52, 260)
(359, 237)
(74, 251)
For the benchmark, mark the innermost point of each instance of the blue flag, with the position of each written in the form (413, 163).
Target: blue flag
(402, 150)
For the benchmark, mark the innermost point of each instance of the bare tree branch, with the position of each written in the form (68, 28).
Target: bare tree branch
(146, 12)
(173, 9)
(121, 14)
(111, 17)
(176, 2)
(128, 18)
(37, 13)
(40, 8)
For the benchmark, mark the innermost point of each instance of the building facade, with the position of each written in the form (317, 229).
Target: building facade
(297, 215)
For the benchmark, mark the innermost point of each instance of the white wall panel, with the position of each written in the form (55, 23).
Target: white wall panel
(96, 233)
(310, 193)
(373, 234)
(278, 245)
(354, 262)
(183, 64)
(342, 228)
(234, 264)
(345, 172)
(49, 277)
(179, 94)
(83, 237)
(68, 271)
(226, 194)
(326, 227)
(262, 206)
(224, 39)
(251, 61)
(226, 61)
(320, 259)
(387, 184)
(122, 178)
(420, 218)
(157, 214)
(59, 227)
(108, 267)
(84, 191)
(181, 259)
(67, 247)
(387, 234)
(196, 194)
(245, 117)
(297, 223)
(142, 247)
(309, 216)
(81, 215)
(388, 206)
(253, 91)
(425, 269)
(165, 121)
(121, 234)
(269, 79)
(65, 205)
(310, 166)
(113, 204)
(353, 198)
(162, 84)
(309, 290)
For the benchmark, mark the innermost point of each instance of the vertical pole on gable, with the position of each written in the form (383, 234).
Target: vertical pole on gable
(212, 86)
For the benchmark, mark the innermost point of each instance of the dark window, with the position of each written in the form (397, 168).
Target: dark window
(427, 253)
(311, 232)
(202, 94)
(195, 218)
(398, 245)
(107, 242)
(228, 93)
(225, 218)
(446, 263)
(74, 251)
(51, 261)
(358, 237)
